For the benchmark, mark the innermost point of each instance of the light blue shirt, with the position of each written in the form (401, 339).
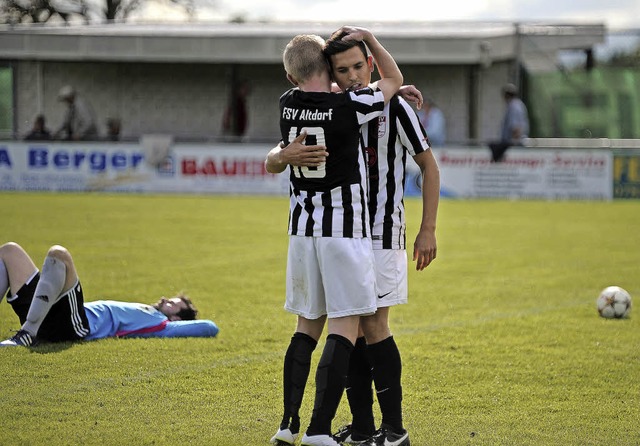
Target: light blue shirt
(109, 318)
(516, 117)
(435, 125)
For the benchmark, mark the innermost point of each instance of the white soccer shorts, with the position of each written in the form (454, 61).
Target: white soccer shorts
(391, 277)
(332, 276)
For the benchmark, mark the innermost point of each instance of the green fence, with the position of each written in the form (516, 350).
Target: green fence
(601, 103)
(6, 102)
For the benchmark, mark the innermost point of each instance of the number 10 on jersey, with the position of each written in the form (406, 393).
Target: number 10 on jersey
(304, 171)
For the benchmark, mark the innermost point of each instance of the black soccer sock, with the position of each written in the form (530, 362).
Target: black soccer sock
(331, 378)
(21, 300)
(297, 363)
(20, 305)
(387, 372)
(359, 390)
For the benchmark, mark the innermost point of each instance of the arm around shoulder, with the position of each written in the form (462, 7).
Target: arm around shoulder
(391, 76)
(273, 164)
(295, 153)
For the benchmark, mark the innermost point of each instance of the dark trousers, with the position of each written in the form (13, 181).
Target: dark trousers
(498, 150)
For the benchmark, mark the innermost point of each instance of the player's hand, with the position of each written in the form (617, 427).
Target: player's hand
(424, 249)
(298, 154)
(355, 33)
(411, 94)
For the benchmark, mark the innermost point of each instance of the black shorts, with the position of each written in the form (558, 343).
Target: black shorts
(66, 320)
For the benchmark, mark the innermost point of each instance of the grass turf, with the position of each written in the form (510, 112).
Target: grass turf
(501, 342)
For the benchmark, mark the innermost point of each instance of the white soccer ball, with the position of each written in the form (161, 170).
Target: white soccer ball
(614, 303)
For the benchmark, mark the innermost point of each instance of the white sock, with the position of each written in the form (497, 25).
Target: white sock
(4, 280)
(48, 291)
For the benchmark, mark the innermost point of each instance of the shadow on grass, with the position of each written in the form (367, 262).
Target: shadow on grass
(51, 347)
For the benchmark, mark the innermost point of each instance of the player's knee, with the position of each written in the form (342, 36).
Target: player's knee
(9, 248)
(11, 252)
(375, 328)
(59, 252)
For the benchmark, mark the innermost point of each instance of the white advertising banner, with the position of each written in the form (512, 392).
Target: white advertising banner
(161, 166)
(182, 168)
(578, 174)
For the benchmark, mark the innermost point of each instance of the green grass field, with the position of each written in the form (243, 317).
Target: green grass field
(501, 341)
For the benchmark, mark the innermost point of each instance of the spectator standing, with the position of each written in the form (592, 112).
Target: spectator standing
(79, 123)
(433, 121)
(235, 118)
(515, 124)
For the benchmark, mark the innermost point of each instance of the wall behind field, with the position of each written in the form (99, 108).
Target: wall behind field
(188, 100)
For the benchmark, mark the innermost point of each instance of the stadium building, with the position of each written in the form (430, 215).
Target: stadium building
(176, 79)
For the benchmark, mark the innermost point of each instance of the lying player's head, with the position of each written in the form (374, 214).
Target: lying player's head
(178, 308)
(303, 58)
(350, 64)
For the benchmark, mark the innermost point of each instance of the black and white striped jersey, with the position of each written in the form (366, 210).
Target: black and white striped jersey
(330, 200)
(387, 141)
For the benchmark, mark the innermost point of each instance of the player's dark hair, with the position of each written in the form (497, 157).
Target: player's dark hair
(187, 314)
(335, 45)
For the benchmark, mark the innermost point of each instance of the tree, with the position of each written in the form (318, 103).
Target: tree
(625, 60)
(69, 11)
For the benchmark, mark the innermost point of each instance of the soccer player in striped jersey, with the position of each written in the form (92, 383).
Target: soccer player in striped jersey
(50, 305)
(388, 141)
(330, 259)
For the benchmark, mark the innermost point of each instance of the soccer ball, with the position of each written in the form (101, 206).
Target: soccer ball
(614, 302)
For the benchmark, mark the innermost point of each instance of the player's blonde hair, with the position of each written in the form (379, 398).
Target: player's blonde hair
(303, 57)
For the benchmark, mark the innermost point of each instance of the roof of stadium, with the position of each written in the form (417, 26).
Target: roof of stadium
(409, 42)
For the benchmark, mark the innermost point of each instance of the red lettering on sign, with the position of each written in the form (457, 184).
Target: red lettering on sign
(227, 167)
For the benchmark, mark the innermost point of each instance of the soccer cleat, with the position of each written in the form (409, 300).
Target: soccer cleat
(318, 440)
(21, 338)
(284, 437)
(348, 437)
(385, 436)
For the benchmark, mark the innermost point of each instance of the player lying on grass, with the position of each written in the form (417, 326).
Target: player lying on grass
(50, 305)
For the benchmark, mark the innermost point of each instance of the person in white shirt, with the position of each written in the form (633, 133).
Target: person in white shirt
(79, 123)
